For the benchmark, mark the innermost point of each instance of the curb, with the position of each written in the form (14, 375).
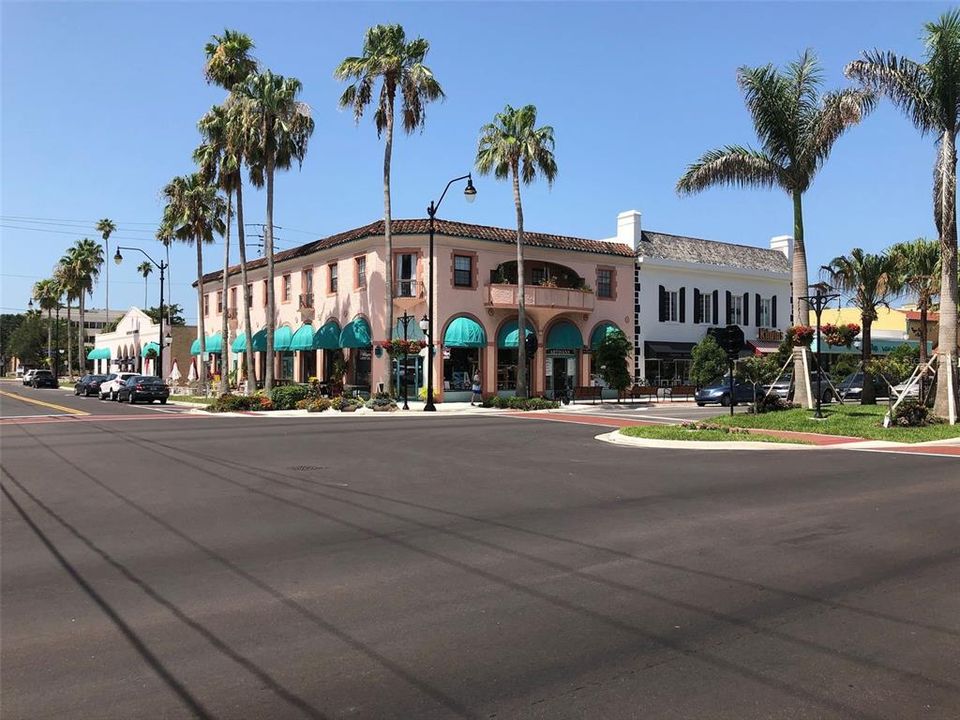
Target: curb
(616, 438)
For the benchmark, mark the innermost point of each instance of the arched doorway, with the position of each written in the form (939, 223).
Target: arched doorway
(562, 351)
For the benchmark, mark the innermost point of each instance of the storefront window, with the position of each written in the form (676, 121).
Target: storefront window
(507, 368)
(458, 369)
(286, 365)
(361, 366)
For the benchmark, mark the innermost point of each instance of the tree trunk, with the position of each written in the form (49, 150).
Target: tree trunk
(801, 308)
(201, 330)
(271, 296)
(69, 342)
(106, 279)
(81, 356)
(250, 372)
(145, 293)
(869, 394)
(50, 337)
(945, 403)
(924, 330)
(224, 326)
(388, 235)
(521, 288)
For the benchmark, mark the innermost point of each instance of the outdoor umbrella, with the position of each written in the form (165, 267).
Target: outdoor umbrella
(192, 377)
(175, 372)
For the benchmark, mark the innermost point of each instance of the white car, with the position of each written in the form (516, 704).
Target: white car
(28, 376)
(109, 388)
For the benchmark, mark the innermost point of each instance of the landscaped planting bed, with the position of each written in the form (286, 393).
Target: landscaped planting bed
(698, 433)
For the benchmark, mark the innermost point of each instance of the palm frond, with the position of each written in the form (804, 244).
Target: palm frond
(733, 165)
(905, 82)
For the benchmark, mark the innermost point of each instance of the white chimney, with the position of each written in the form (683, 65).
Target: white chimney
(783, 243)
(629, 229)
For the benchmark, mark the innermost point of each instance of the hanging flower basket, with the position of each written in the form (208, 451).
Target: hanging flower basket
(840, 335)
(399, 346)
(800, 335)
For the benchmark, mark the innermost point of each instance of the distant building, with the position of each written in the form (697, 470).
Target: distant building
(133, 345)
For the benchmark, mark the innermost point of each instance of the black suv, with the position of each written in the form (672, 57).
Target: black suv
(43, 378)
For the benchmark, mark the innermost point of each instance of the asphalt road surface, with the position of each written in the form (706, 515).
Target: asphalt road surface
(177, 565)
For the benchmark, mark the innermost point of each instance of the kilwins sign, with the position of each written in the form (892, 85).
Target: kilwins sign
(770, 334)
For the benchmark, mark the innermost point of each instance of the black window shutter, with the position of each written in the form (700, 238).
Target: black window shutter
(663, 303)
(756, 317)
(683, 304)
(696, 307)
(729, 308)
(773, 311)
(716, 307)
(746, 309)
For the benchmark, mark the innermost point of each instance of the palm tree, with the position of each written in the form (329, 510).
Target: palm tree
(106, 228)
(67, 279)
(165, 235)
(929, 94)
(278, 128)
(797, 126)
(398, 65)
(194, 212)
(229, 63)
(85, 259)
(145, 268)
(47, 293)
(871, 280)
(919, 262)
(512, 146)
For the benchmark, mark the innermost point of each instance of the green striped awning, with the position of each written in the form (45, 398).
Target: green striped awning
(465, 332)
(302, 339)
(356, 334)
(328, 336)
(148, 348)
(212, 344)
(600, 332)
(282, 337)
(509, 334)
(564, 336)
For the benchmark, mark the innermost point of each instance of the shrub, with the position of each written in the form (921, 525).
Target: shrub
(708, 361)
(911, 413)
(711, 426)
(517, 403)
(319, 405)
(345, 404)
(286, 397)
(381, 402)
(771, 403)
(239, 403)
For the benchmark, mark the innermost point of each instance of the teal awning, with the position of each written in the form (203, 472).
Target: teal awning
(239, 343)
(282, 337)
(260, 341)
(212, 344)
(327, 337)
(302, 339)
(509, 334)
(150, 346)
(600, 332)
(877, 347)
(413, 330)
(101, 353)
(356, 334)
(564, 336)
(466, 333)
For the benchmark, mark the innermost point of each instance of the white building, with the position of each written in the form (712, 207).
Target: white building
(684, 285)
(134, 346)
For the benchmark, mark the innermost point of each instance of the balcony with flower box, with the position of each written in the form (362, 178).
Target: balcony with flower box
(503, 295)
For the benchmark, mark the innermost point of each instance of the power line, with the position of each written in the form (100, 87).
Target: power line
(87, 222)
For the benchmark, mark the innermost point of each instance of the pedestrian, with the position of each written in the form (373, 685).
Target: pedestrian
(475, 389)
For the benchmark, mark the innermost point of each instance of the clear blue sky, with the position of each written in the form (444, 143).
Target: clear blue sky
(100, 103)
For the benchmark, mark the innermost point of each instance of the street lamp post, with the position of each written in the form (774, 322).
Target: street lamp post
(470, 194)
(161, 266)
(405, 319)
(819, 300)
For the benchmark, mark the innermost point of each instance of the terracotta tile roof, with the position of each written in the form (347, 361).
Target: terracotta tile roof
(932, 315)
(711, 252)
(420, 226)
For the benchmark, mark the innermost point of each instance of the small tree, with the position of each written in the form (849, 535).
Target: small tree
(709, 362)
(757, 371)
(610, 360)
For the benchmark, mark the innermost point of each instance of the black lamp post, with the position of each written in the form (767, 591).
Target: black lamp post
(819, 300)
(405, 319)
(162, 266)
(470, 194)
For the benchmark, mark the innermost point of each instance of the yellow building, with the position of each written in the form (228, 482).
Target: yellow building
(888, 320)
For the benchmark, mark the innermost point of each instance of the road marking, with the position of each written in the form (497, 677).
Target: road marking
(63, 408)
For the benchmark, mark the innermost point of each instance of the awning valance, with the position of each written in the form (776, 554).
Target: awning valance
(356, 334)
(328, 336)
(600, 332)
(763, 347)
(282, 337)
(464, 332)
(564, 336)
(212, 344)
(150, 347)
(302, 339)
(509, 334)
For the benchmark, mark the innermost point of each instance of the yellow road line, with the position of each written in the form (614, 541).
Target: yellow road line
(63, 408)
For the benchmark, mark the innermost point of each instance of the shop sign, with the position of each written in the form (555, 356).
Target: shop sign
(770, 335)
(561, 352)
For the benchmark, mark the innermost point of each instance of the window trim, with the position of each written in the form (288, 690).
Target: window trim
(219, 302)
(417, 280)
(286, 288)
(474, 269)
(333, 276)
(206, 304)
(357, 275)
(613, 283)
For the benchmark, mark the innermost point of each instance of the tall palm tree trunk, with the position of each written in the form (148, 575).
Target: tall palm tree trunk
(924, 330)
(69, 342)
(81, 356)
(106, 279)
(945, 403)
(250, 371)
(271, 296)
(224, 327)
(145, 293)
(50, 337)
(868, 396)
(201, 330)
(521, 291)
(801, 308)
(388, 238)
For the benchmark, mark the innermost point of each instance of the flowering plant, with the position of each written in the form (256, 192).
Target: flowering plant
(800, 335)
(399, 346)
(837, 335)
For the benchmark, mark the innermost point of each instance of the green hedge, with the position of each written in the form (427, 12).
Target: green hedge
(234, 403)
(286, 397)
(518, 403)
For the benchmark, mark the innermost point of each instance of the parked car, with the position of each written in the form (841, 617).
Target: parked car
(27, 376)
(719, 392)
(851, 387)
(143, 387)
(43, 378)
(784, 387)
(89, 385)
(109, 388)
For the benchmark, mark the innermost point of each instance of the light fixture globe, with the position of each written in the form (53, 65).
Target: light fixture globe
(118, 258)
(470, 192)
(424, 324)
(167, 340)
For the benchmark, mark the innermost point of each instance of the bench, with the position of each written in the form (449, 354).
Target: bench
(588, 392)
(640, 391)
(684, 391)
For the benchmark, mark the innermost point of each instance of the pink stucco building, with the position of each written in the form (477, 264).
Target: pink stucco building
(330, 304)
